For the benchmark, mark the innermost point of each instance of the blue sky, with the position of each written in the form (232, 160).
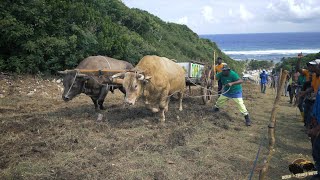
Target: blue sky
(236, 16)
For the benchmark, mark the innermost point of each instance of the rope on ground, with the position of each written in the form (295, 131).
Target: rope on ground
(257, 157)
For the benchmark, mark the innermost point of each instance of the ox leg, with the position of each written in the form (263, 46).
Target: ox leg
(163, 105)
(103, 94)
(180, 95)
(151, 106)
(167, 105)
(95, 102)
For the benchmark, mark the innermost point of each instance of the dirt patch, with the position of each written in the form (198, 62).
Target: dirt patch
(43, 137)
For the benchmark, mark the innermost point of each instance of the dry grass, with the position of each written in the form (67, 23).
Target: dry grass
(45, 138)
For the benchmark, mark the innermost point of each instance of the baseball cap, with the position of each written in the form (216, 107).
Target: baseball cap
(315, 62)
(312, 63)
(225, 68)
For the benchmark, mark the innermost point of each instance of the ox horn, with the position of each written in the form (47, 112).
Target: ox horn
(62, 72)
(118, 75)
(82, 75)
(140, 77)
(66, 71)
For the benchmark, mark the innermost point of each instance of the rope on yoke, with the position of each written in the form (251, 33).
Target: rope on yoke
(212, 91)
(215, 95)
(74, 79)
(201, 86)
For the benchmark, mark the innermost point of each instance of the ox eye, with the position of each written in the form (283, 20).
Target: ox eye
(136, 86)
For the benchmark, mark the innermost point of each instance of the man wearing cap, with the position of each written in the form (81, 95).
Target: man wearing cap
(232, 90)
(303, 94)
(311, 92)
(264, 81)
(314, 130)
(218, 69)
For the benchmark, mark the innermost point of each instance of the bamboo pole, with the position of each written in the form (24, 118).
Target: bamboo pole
(272, 124)
(214, 69)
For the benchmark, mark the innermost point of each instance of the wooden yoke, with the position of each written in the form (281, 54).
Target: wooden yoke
(104, 73)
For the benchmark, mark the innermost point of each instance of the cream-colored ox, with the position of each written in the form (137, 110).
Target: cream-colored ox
(155, 79)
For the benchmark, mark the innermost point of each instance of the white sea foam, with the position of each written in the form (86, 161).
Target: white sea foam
(269, 52)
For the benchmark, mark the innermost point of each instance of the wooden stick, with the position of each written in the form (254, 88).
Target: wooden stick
(214, 69)
(98, 70)
(272, 124)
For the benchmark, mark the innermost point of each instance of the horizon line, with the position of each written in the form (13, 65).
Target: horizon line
(259, 33)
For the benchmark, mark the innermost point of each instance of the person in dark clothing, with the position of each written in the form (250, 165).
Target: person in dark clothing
(314, 134)
(264, 81)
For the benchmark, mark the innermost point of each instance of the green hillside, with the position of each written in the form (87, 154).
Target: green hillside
(46, 36)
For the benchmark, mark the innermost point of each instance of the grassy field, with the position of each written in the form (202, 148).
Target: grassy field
(43, 137)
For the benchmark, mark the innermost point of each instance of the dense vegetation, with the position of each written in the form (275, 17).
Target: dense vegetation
(46, 36)
(256, 64)
(290, 63)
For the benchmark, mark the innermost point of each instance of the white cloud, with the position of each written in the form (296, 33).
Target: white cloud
(296, 11)
(183, 20)
(231, 12)
(248, 16)
(207, 13)
(245, 15)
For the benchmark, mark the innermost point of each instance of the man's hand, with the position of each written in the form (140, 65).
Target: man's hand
(314, 132)
(301, 94)
(230, 84)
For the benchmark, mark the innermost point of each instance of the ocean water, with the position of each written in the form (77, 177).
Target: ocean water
(266, 46)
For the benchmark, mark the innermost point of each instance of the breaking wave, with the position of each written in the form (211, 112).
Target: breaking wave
(269, 52)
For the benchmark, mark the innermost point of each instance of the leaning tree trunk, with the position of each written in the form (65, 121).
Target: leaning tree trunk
(272, 124)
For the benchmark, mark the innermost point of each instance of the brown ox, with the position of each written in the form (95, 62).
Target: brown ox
(76, 83)
(156, 79)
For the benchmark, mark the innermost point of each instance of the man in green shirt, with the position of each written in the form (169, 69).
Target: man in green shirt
(232, 90)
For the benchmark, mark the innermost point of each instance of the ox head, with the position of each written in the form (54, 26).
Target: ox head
(134, 83)
(73, 83)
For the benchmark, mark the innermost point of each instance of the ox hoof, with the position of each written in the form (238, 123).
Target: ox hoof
(100, 116)
(162, 121)
(180, 109)
(103, 108)
(155, 110)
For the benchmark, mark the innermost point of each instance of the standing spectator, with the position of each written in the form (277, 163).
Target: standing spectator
(286, 86)
(264, 81)
(300, 100)
(310, 92)
(315, 126)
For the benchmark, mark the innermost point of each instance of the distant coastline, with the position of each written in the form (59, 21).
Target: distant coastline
(267, 46)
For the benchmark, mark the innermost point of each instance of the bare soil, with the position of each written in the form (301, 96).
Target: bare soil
(43, 137)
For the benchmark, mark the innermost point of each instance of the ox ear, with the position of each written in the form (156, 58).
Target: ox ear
(118, 75)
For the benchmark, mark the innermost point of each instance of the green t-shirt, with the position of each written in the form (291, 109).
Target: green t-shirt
(233, 76)
(301, 80)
